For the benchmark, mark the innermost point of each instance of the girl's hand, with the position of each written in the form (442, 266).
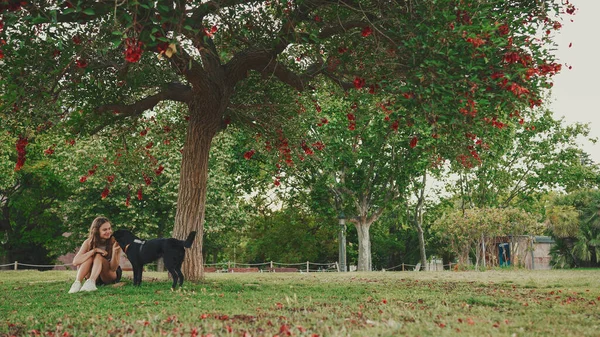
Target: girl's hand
(116, 247)
(100, 251)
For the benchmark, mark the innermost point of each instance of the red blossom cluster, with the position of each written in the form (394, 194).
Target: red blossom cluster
(503, 29)
(463, 17)
(318, 107)
(50, 150)
(306, 148)
(105, 193)
(495, 122)
(133, 50)
(81, 63)
(147, 179)
(21, 152)
(469, 109)
(318, 146)
(476, 42)
(210, 32)
(413, 142)
(248, 155)
(90, 173)
(352, 119)
(366, 31)
(359, 82)
(159, 170)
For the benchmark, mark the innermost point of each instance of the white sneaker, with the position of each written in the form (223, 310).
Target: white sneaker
(89, 285)
(75, 287)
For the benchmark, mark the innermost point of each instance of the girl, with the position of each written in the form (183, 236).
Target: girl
(98, 258)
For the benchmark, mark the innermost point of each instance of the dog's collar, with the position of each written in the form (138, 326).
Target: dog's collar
(134, 241)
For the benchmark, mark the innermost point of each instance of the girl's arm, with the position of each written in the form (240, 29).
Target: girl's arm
(116, 257)
(85, 253)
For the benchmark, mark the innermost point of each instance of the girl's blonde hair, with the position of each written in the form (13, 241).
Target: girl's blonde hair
(94, 236)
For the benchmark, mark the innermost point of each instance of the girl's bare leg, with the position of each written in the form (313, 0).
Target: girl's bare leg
(97, 266)
(107, 275)
(83, 270)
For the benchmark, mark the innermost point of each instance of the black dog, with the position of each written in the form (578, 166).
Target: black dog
(140, 252)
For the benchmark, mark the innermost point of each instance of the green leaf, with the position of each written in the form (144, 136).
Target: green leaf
(89, 11)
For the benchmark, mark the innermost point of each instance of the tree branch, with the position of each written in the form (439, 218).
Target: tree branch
(172, 92)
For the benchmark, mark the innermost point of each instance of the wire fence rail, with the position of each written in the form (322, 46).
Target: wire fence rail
(234, 267)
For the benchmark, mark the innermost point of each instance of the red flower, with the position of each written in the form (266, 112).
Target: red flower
(159, 170)
(342, 50)
(81, 63)
(351, 117)
(147, 180)
(110, 178)
(49, 150)
(21, 152)
(249, 154)
(372, 89)
(210, 32)
(76, 39)
(105, 193)
(83, 179)
(139, 194)
(133, 50)
(318, 18)
(503, 30)
(317, 107)
(307, 149)
(359, 82)
(143, 132)
(318, 145)
(366, 31)
(128, 200)
(413, 141)
(149, 145)
(395, 125)
(352, 126)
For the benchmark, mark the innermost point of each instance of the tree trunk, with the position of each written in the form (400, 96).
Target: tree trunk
(203, 125)
(422, 246)
(364, 246)
(419, 220)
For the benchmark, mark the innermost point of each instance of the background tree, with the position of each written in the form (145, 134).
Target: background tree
(466, 231)
(573, 223)
(544, 156)
(90, 67)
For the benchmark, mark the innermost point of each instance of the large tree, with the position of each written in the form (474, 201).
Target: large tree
(454, 68)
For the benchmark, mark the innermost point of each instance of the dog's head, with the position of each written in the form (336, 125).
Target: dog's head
(123, 237)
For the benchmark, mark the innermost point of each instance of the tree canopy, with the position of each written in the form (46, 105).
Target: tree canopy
(458, 72)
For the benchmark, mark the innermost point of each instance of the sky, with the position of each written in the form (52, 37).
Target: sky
(576, 91)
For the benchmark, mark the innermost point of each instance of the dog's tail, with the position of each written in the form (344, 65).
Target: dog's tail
(190, 239)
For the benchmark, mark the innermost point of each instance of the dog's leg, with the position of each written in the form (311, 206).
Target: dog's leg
(178, 270)
(174, 275)
(137, 275)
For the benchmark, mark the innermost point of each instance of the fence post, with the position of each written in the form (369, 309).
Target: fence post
(307, 267)
(271, 265)
(337, 266)
(16, 265)
(403, 267)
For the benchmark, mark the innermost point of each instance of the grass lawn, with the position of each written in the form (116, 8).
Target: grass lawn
(492, 303)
